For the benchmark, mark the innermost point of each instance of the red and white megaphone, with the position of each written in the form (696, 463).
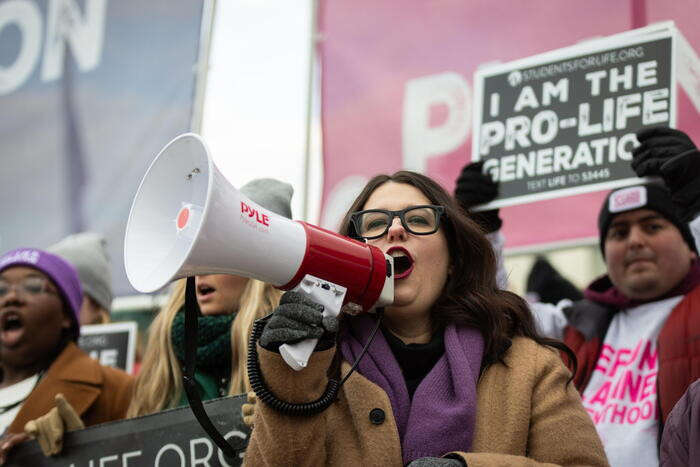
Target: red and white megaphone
(187, 220)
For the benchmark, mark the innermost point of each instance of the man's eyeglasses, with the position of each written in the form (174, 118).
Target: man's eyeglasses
(29, 286)
(418, 220)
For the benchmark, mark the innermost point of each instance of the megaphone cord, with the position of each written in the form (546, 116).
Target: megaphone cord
(188, 375)
(305, 409)
(380, 315)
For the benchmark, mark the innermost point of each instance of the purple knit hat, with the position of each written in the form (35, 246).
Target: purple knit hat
(59, 271)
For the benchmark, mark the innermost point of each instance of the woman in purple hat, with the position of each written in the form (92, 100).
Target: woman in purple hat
(457, 375)
(47, 384)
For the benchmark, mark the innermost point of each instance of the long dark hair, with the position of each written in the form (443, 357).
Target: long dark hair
(471, 296)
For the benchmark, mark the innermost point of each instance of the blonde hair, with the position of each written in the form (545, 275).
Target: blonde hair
(158, 385)
(257, 300)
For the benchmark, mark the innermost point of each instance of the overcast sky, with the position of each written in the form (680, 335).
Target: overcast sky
(254, 118)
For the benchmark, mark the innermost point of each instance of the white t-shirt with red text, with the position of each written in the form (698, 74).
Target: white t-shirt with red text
(621, 395)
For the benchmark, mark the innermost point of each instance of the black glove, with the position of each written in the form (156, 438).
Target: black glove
(437, 462)
(672, 155)
(473, 188)
(297, 318)
(549, 285)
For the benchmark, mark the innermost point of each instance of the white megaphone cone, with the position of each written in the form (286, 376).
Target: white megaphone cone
(187, 220)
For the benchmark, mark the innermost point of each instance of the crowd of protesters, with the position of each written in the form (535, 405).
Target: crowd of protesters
(461, 371)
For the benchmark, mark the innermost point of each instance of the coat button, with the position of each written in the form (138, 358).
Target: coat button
(377, 416)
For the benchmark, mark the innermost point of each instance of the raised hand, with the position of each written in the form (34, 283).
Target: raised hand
(473, 188)
(673, 156)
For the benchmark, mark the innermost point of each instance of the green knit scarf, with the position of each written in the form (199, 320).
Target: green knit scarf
(213, 342)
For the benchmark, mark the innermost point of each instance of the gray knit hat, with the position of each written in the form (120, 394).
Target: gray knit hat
(271, 194)
(87, 251)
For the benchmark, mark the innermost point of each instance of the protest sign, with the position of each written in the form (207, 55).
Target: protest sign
(405, 99)
(564, 122)
(112, 344)
(169, 438)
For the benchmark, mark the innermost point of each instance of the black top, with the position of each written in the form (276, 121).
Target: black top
(415, 360)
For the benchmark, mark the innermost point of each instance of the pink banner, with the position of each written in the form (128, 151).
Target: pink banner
(397, 85)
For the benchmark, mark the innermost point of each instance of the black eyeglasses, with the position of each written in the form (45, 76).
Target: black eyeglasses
(418, 220)
(29, 286)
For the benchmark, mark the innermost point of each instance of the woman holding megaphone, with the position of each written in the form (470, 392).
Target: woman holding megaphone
(229, 305)
(458, 374)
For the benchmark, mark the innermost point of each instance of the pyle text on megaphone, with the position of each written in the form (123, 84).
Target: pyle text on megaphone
(187, 219)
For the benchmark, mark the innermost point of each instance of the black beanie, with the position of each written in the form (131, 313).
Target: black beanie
(648, 196)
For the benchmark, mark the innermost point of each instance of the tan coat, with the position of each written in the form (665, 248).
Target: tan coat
(526, 416)
(97, 393)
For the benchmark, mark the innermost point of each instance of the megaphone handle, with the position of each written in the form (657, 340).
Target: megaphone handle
(329, 295)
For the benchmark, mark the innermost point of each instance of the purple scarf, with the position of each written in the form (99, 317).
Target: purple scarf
(443, 412)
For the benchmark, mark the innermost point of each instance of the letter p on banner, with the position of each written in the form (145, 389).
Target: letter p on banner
(422, 96)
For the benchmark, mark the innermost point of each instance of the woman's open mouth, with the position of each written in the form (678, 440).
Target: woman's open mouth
(205, 292)
(403, 262)
(11, 328)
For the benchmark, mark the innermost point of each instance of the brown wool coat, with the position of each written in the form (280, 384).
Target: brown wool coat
(97, 393)
(526, 416)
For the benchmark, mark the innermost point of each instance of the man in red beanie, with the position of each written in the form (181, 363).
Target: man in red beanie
(40, 365)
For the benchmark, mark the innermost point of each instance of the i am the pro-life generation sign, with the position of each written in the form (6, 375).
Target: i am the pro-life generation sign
(564, 122)
(112, 344)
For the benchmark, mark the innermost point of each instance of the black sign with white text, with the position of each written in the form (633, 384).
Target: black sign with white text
(565, 123)
(169, 438)
(110, 344)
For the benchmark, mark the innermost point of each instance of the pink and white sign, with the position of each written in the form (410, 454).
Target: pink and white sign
(397, 90)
